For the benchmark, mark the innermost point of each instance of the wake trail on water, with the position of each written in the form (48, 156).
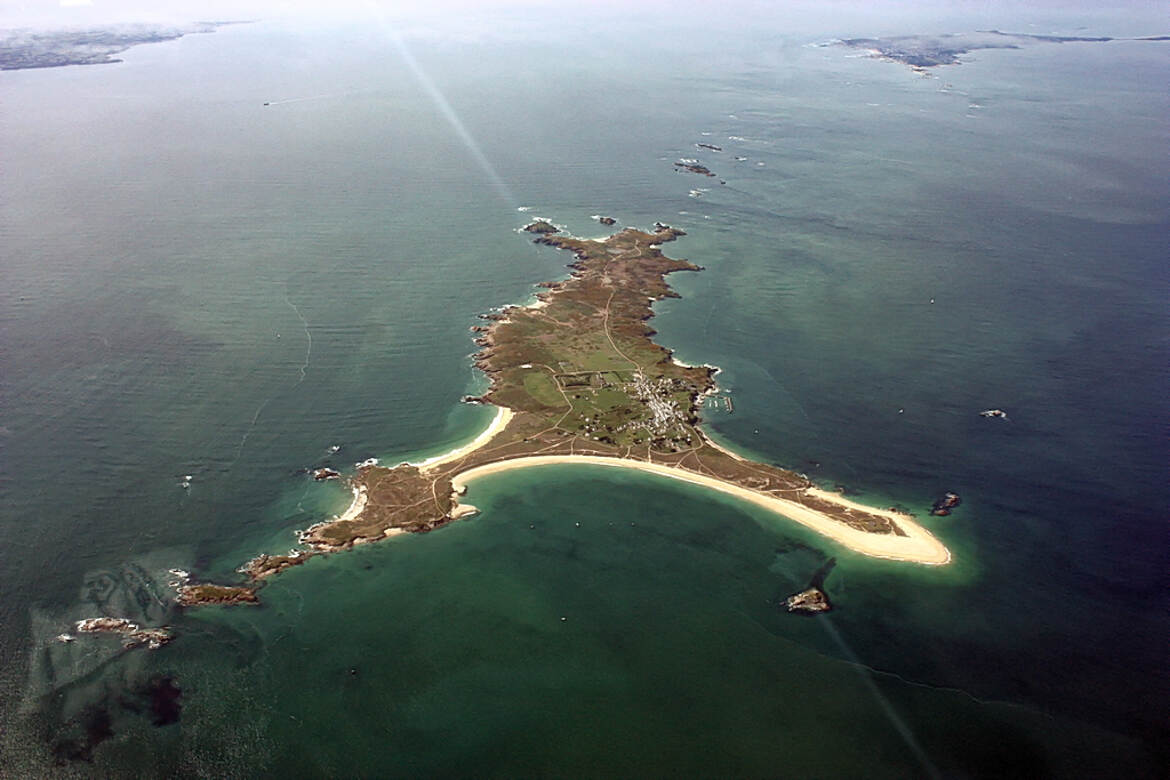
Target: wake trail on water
(318, 97)
(304, 369)
(308, 336)
(247, 433)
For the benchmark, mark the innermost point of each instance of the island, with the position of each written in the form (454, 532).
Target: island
(576, 378)
(921, 52)
(191, 595)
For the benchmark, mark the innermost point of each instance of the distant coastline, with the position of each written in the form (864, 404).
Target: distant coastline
(27, 49)
(922, 52)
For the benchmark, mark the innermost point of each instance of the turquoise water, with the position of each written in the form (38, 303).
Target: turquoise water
(197, 284)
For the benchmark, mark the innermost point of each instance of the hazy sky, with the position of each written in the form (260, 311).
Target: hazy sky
(848, 17)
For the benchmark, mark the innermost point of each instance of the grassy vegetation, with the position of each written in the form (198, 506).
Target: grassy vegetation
(207, 593)
(621, 387)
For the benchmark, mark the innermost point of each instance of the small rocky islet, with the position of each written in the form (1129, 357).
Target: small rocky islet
(945, 503)
(813, 600)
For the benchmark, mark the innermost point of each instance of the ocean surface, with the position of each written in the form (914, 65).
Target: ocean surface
(196, 283)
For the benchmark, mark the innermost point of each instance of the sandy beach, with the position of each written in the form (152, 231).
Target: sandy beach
(918, 546)
(354, 509)
(499, 422)
(463, 510)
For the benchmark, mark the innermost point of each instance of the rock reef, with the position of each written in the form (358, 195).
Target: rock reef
(943, 506)
(694, 167)
(132, 634)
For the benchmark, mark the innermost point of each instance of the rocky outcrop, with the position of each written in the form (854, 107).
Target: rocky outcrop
(195, 595)
(813, 600)
(943, 506)
(702, 170)
(263, 566)
(810, 601)
(133, 635)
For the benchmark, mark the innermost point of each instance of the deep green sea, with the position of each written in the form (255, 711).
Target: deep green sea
(196, 283)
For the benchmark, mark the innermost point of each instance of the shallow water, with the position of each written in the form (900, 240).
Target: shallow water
(200, 285)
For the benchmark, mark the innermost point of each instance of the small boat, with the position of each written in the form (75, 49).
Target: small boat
(1000, 413)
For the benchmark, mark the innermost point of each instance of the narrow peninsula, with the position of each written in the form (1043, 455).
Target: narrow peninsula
(576, 378)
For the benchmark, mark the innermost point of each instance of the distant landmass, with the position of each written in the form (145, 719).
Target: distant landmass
(21, 49)
(928, 51)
